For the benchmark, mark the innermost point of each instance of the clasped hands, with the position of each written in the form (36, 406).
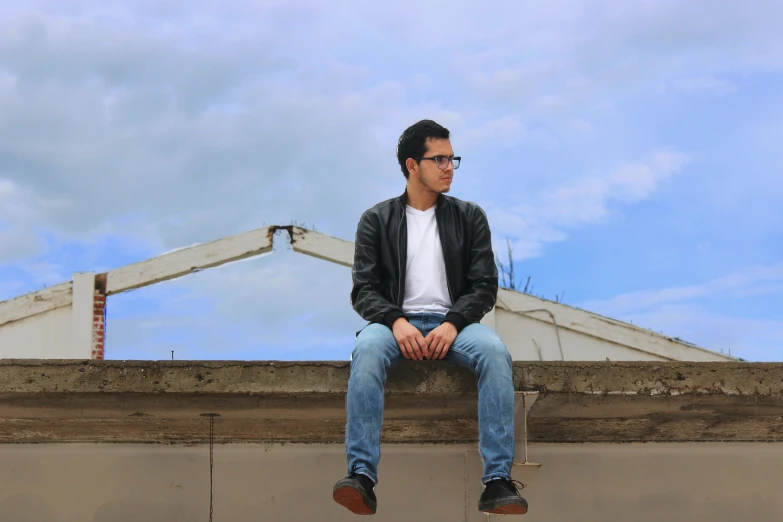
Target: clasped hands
(415, 346)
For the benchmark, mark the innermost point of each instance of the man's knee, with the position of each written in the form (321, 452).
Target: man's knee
(372, 342)
(483, 346)
(494, 349)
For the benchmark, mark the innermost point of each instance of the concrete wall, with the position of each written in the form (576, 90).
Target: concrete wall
(720, 482)
(62, 322)
(530, 326)
(45, 336)
(54, 334)
(530, 339)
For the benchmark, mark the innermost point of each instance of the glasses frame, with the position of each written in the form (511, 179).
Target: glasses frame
(436, 160)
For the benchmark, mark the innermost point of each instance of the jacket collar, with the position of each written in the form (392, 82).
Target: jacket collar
(440, 203)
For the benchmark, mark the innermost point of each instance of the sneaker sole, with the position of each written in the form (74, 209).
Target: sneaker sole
(353, 500)
(496, 508)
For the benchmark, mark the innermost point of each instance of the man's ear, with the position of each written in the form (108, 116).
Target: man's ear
(411, 165)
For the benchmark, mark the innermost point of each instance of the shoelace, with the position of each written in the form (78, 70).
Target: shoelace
(517, 485)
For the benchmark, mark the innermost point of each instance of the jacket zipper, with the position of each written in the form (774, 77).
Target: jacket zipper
(400, 283)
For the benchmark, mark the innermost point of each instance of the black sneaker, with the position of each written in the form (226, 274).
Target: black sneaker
(501, 497)
(356, 492)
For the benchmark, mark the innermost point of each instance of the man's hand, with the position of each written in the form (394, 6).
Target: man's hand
(412, 344)
(439, 340)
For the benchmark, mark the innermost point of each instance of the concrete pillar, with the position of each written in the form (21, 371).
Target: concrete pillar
(83, 315)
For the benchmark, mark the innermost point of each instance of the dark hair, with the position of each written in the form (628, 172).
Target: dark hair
(413, 142)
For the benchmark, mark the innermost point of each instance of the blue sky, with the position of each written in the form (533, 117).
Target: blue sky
(628, 150)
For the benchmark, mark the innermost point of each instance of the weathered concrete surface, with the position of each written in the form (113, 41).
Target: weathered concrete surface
(688, 482)
(163, 401)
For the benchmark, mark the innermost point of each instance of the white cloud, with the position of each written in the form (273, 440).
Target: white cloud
(104, 123)
(17, 244)
(551, 102)
(15, 203)
(17, 214)
(704, 84)
(750, 338)
(547, 216)
(579, 56)
(110, 111)
(44, 273)
(506, 131)
(636, 181)
(755, 280)
(581, 127)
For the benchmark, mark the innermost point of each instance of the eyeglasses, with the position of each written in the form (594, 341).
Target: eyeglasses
(443, 161)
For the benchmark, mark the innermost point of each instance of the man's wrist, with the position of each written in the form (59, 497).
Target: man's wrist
(456, 319)
(391, 317)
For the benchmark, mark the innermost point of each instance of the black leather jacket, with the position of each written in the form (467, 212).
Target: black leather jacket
(380, 258)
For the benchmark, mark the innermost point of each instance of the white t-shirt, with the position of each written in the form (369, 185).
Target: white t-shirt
(426, 289)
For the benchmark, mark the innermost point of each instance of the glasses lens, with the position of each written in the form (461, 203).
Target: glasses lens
(443, 162)
(455, 161)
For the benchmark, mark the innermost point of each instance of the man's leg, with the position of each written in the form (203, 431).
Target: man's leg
(481, 349)
(374, 352)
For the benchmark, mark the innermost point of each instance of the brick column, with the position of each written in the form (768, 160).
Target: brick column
(98, 324)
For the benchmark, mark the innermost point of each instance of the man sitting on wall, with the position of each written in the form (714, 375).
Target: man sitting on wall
(424, 275)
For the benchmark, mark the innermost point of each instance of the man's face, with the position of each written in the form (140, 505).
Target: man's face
(429, 174)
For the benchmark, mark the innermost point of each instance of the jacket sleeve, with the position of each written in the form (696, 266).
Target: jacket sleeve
(482, 276)
(366, 296)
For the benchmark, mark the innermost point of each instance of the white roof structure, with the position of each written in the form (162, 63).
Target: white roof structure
(66, 320)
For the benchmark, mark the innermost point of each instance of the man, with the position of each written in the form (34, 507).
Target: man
(424, 275)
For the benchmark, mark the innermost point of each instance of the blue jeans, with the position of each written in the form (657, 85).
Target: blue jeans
(476, 347)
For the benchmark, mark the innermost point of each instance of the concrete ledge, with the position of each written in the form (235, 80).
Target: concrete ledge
(278, 401)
